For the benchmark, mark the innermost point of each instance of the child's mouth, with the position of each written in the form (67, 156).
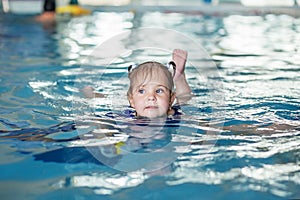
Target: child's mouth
(151, 107)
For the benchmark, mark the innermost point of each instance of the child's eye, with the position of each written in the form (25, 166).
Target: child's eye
(159, 91)
(141, 91)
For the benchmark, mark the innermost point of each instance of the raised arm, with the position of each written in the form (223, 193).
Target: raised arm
(183, 90)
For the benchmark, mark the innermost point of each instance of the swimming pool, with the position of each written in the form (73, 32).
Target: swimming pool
(255, 153)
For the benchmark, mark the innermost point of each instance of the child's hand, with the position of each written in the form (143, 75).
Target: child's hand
(183, 90)
(179, 57)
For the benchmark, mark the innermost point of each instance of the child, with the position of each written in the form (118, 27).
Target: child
(151, 92)
(48, 15)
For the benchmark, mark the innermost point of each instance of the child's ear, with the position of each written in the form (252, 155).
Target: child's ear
(172, 99)
(130, 99)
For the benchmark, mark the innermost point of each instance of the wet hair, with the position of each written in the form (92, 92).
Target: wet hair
(49, 5)
(147, 71)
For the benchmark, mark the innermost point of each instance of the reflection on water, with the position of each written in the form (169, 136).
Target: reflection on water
(255, 153)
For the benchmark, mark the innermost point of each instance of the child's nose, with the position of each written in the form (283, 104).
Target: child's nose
(151, 96)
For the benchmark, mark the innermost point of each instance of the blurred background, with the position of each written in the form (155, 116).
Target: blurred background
(36, 6)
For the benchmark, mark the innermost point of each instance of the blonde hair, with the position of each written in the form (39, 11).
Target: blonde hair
(145, 72)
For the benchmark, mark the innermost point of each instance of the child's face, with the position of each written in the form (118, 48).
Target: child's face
(152, 99)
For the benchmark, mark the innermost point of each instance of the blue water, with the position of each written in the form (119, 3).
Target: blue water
(239, 137)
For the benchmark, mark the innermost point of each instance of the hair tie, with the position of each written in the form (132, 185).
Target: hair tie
(131, 67)
(171, 67)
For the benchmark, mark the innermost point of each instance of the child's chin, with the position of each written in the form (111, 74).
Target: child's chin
(155, 115)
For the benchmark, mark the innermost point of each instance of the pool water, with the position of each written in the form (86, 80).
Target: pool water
(254, 148)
